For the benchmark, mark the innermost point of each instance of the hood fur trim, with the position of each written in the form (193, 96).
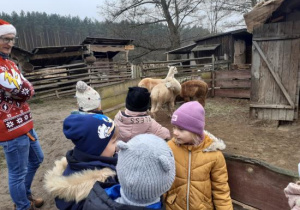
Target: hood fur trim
(75, 187)
(217, 144)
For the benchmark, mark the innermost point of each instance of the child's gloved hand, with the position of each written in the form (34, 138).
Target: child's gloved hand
(292, 192)
(25, 92)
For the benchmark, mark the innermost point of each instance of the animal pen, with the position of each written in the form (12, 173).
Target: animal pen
(221, 81)
(60, 81)
(55, 70)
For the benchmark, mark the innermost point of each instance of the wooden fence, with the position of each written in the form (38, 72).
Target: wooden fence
(59, 81)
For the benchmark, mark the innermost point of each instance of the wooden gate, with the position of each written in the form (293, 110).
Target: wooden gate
(275, 73)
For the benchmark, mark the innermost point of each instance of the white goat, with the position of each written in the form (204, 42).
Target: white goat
(165, 93)
(150, 83)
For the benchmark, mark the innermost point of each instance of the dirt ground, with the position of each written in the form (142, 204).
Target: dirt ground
(227, 119)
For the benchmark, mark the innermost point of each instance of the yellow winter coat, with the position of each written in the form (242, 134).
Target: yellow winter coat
(201, 181)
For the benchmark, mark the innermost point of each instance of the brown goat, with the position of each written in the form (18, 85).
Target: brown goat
(194, 90)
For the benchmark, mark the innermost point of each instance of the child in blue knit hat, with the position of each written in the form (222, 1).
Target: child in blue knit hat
(92, 159)
(146, 170)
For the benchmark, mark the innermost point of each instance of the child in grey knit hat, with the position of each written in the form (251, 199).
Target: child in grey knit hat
(146, 170)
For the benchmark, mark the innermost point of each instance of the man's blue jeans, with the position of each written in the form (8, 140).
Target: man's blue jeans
(23, 158)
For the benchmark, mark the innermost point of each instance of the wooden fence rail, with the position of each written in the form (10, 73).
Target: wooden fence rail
(59, 81)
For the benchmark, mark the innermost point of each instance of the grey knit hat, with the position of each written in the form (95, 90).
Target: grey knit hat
(145, 168)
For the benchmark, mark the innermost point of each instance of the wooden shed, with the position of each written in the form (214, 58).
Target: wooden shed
(55, 70)
(233, 45)
(105, 49)
(275, 72)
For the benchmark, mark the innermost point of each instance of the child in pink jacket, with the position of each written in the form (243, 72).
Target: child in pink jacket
(135, 120)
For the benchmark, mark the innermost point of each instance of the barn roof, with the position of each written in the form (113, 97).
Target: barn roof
(195, 47)
(106, 41)
(205, 47)
(235, 32)
(56, 49)
(182, 50)
(20, 50)
(56, 55)
(270, 11)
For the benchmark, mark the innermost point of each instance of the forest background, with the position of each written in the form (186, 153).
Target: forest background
(155, 26)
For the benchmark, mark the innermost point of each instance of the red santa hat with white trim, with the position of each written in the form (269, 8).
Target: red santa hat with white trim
(7, 28)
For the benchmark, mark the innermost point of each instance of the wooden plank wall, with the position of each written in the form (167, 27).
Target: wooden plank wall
(281, 46)
(233, 84)
(226, 46)
(59, 81)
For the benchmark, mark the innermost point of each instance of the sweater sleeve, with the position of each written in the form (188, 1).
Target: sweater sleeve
(158, 130)
(220, 187)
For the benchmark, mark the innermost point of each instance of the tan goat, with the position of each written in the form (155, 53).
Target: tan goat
(194, 90)
(149, 83)
(165, 93)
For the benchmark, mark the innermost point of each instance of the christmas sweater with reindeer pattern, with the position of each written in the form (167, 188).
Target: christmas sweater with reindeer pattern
(15, 90)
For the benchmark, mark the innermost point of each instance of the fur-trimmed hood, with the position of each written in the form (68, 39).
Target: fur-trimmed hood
(210, 143)
(75, 187)
(217, 144)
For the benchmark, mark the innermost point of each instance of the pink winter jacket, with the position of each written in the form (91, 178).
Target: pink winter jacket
(133, 123)
(292, 192)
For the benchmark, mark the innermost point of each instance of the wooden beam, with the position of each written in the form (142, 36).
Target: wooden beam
(275, 75)
(177, 61)
(272, 106)
(56, 55)
(275, 38)
(98, 48)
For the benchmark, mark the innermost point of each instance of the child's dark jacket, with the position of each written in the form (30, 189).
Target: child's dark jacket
(99, 199)
(72, 178)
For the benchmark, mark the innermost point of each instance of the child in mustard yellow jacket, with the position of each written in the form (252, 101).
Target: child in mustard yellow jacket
(201, 181)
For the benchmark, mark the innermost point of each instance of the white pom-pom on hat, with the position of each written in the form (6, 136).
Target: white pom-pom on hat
(81, 86)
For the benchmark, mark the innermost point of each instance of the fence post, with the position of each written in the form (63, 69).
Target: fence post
(90, 76)
(213, 76)
(142, 73)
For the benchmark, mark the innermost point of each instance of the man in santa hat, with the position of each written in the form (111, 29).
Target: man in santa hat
(19, 140)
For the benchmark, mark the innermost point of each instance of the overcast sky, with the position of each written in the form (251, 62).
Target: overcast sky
(81, 8)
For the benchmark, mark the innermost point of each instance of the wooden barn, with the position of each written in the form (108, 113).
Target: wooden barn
(234, 46)
(89, 51)
(275, 71)
(104, 49)
(47, 57)
(55, 70)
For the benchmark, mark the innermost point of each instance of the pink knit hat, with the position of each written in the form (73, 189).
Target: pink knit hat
(7, 28)
(191, 117)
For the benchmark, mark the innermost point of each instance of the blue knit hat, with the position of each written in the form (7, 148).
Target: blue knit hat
(145, 168)
(90, 133)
